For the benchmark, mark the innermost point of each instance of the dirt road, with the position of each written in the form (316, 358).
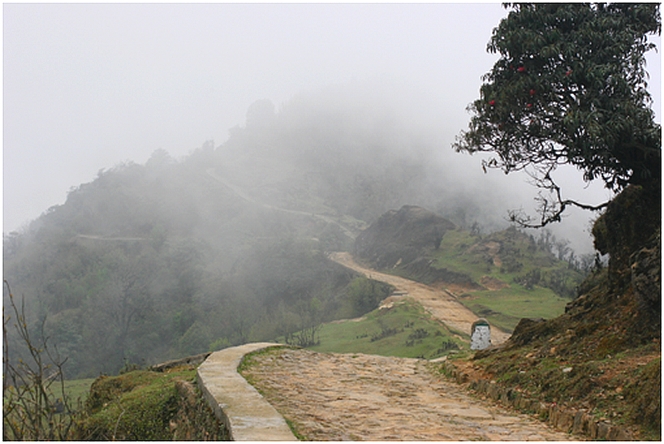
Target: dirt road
(240, 192)
(441, 304)
(360, 397)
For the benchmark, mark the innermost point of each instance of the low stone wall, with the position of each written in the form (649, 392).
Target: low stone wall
(189, 360)
(194, 420)
(246, 415)
(568, 420)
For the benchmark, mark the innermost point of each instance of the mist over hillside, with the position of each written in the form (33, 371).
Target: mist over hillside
(368, 147)
(227, 245)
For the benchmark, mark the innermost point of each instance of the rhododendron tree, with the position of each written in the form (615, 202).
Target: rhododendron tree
(570, 87)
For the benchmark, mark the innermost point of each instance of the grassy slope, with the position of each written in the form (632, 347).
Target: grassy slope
(134, 406)
(405, 320)
(504, 308)
(585, 360)
(458, 252)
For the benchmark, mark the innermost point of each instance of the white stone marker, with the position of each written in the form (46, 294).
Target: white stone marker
(480, 335)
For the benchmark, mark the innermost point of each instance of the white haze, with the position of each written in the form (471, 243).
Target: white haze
(87, 86)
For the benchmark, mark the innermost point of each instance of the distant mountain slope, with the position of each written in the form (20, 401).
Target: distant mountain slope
(175, 257)
(180, 256)
(502, 276)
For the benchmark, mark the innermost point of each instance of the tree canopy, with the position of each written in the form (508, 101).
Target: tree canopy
(570, 87)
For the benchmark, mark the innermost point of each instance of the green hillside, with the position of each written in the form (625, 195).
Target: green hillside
(503, 276)
(401, 328)
(520, 276)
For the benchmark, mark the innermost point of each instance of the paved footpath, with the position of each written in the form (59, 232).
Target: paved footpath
(373, 398)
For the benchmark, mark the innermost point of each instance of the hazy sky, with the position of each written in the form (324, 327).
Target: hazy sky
(87, 86)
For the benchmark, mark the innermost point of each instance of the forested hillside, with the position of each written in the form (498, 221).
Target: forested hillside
(226, 245)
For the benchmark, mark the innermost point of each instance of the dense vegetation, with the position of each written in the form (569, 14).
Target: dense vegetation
(570, 87)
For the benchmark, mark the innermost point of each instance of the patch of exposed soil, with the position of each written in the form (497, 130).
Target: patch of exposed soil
(492, 283)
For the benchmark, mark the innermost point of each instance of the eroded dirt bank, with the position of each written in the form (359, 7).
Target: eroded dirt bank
(374, 398)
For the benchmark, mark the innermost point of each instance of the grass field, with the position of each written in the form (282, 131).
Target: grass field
(454, 255)
(404, 330)
(504, 308)
(462, 252)
(75, 389)
(78, 389)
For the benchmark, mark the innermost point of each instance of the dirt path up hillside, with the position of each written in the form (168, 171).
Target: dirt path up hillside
(441, 304)
(360, 397)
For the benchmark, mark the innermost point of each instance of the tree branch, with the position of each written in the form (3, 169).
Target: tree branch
(550, 210)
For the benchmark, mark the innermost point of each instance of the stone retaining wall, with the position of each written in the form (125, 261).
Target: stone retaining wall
(246, 415)
(194, 420)
(565, 419)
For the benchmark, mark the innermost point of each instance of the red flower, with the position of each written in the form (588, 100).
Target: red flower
(529, 105)
(532, 92)
(568, 73)
(492, 102)
(521, 69)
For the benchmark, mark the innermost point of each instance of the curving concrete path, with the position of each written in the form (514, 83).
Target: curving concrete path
(244, 411)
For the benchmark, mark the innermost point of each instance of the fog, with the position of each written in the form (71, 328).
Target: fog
(87, 86)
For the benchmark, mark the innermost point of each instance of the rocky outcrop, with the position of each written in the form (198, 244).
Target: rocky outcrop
(645, 278)
(399, 237)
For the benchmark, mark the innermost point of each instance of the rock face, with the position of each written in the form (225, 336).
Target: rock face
(630, 232)
(399, 237)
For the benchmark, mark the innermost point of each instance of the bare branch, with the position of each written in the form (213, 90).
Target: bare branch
(31, 410)
(550, 209)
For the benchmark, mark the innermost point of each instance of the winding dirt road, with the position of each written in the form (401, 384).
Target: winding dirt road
(329, 396)
(240, 192)
(353, 396)
(441, 304)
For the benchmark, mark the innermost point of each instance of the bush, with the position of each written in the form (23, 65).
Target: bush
(136, 406)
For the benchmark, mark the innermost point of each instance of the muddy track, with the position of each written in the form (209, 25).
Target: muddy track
(441, 304)
(328, 396)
